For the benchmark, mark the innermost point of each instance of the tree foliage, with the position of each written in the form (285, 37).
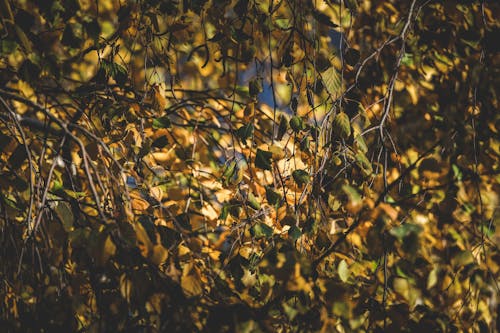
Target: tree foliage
(250, 166)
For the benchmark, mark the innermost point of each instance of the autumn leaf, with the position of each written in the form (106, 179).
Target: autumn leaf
(247, 166)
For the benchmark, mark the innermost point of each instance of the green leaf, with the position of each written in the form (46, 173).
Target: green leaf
(245, 132)
(360, 144)
(462, 258)
(260, 230)
(364, 164)
(252, 201)
(273, 197)
(405, 230)
(224, 212)
(263, 159)
(305, 144)
(333, 202)
(342, 125)
(297, 124)
(341, 309)
(282, 23)
(294, 232)
(116, 71)
(290, 311)
(352, 193)
(162, 122)
(343, 271)
(283, 127)
(331, 82)
(74, 194)
(301, 177)
(229, 170)
(119, 73)
(228, 173)
(160, 142)
(10, 201)
(457, 173)
(255, 87)
(432, 279)
(65, 215)
(7, 46)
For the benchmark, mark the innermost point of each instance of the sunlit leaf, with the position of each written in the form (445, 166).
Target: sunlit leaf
(402, 287)
(343, 271)
(248, 166)
(432, 279)
(331, 81)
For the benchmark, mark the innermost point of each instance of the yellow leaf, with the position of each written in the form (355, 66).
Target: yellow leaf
(402, 287)
(173, 272)
(109, 248)
(160, 156)
(182, 250)
(298, 282)
(101, 247)
(159, 101)
(159, 254)
(190, 280)
(143, 241)
(125, 287)
(248, 279)
(156, 192)
(139, 204)
(246, 252)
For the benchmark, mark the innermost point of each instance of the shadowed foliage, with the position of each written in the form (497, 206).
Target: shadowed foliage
(249, 166)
